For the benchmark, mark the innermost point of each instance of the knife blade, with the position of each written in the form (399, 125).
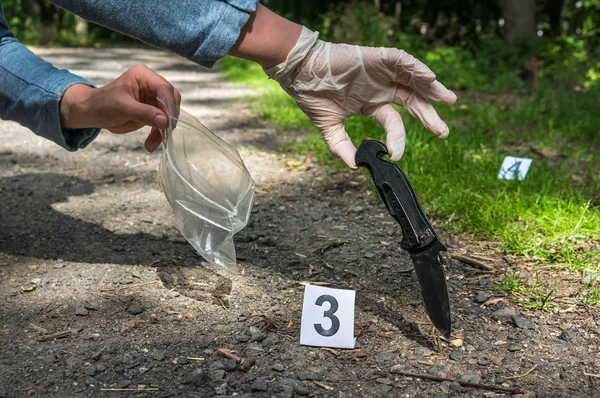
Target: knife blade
(418, 236)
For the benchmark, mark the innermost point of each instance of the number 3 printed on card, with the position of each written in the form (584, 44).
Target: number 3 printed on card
(327, 317)
(335, 322)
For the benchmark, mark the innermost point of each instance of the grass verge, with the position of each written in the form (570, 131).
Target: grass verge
(553, 214)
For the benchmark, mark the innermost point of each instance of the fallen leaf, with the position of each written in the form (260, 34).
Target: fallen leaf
(528, 394)
(493, 300)
(30, 288)
(456, 342)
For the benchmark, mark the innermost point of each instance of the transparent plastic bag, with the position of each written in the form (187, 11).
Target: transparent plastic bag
(208, 186)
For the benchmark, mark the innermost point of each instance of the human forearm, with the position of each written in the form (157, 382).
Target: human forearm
(200, 30)
(30, 94)
(267, 38)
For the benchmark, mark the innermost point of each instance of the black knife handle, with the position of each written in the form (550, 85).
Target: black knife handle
(398, 195)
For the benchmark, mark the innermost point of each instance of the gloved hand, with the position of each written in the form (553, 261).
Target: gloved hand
(332, 82)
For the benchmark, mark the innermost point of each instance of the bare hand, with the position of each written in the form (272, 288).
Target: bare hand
(122, 106)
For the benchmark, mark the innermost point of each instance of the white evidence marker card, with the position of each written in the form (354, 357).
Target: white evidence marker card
(514, 168)
(327, 317)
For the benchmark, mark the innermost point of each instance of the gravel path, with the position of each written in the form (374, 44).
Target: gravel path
(89, 249)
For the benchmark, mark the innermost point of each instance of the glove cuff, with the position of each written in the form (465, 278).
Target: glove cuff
(283, 72)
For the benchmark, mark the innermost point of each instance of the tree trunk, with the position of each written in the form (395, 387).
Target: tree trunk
(297, 11)
(554, 10)
(46, 12)
(31, 8)
(519, 19)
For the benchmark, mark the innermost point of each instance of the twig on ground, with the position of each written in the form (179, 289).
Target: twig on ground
(330, 246)
(38, 328)
(482, 258)
(195, 358)
(473, 262)
(462, 383)
(316, 283)
(135, 166)
(287, 336)
(524, 374)
(129, 286)
(59, 335)
(129, 389)
(331, 350)
(220, 302)
(323, 385)
(538, 152)
(570, 309)
(592, 375)
(508, 261)
(228, 354)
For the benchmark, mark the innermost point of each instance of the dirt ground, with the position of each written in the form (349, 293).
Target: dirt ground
(89, 247)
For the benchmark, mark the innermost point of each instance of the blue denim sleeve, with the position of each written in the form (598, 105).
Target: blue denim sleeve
(31, 90)
(200, 30)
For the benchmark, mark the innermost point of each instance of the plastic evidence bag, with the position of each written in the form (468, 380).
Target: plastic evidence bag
(208, 186)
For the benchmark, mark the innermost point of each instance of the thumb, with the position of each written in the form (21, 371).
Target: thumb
(392, 123)
(339, 144)
(146, 114)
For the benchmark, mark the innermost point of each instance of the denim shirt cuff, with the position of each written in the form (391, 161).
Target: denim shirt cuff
(79, 138)
(233, 16)
(31, 95)
(73, 139)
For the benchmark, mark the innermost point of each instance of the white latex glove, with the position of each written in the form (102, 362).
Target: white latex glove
(332, 82)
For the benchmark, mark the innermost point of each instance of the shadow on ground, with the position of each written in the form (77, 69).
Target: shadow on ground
(29, 226)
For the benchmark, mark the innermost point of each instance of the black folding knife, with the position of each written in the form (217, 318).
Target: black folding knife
(418, 236)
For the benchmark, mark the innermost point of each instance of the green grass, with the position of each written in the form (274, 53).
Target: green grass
(539, 295)
(592, 297)
(511, 283)
(549, 215)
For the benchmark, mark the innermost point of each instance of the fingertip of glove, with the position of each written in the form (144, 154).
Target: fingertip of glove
(348, 158)
(452, 98)
(396, 150)
(344, 150)
(349, 162)
(394, 157)
(445, 132)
